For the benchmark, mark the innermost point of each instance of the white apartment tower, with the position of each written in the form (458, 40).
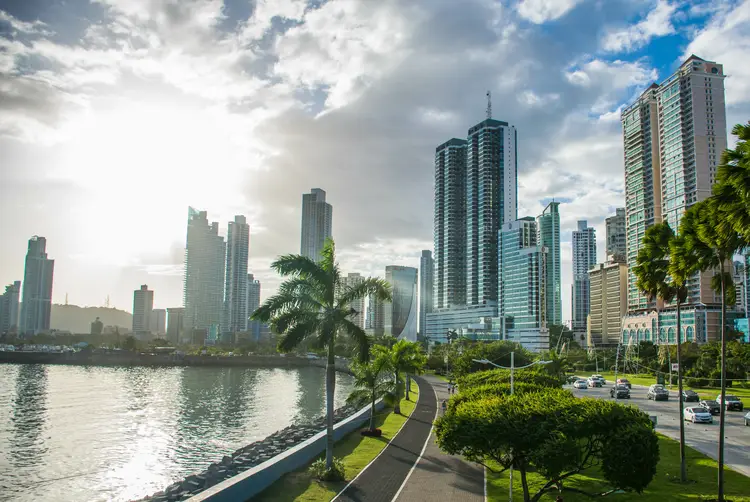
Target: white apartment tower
(317, 217)
(350, 281)
(143, 306)
(235, 283)
(616, 235)
(36, 305)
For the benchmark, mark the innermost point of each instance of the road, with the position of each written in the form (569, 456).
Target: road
(702, 437)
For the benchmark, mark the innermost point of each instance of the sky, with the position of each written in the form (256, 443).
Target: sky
(116, 115)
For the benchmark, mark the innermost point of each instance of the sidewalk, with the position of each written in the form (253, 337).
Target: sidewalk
(381, 480)
(441, 477)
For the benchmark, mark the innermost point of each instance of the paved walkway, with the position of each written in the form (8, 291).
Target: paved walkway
(441, 477)
(381, 480)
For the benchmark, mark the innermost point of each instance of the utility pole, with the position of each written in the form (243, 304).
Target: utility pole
(617, 360)
(512, 368)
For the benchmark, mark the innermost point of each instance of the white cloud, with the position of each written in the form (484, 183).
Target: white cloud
(541, 11)
(611, 81)
(33, 28)
(726, 40)
(266, 10)
(532, 99)
(657, 23)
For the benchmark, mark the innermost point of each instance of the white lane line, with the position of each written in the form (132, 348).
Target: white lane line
(484, 473)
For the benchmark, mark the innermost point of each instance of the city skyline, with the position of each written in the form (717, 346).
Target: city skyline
(267, 137)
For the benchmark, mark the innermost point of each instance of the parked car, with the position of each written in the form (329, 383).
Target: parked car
(580, 384)
(697, 414)
(593, 382)
(747, 419)
(731, 402)
(690, 396)
(622, 392)
(600, 378)
(657, 392)
(624, 381)
(710, 406)
(573, 379)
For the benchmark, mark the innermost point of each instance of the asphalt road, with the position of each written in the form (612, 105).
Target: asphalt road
(702, 437)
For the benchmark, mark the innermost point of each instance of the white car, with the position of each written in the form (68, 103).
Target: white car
(600, 378)
(697, 414)
(580, 384)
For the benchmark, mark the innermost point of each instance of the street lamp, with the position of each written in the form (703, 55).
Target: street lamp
(512, 368)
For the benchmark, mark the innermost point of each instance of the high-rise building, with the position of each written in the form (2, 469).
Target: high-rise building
(426, 272)
(449, 288)
(175, 324)
(548, 227)
(143, 306)
(235, 284)
(317, 218)
(37, 288)
(158, 322)
(584, 257)
(9, 308)
(739, 283)
(522, 300)
(400, 315)
(350, 281)
(608, 282)
(253, 302)
(97, 327)
(375, 322)
(491, 185)
(674, 135)
(204, 272)
(616, 235)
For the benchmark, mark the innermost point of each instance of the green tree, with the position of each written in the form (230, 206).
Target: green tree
(732, 188)
(405, 358)
(535, 376)
(313, 303)
(372, 381)
(130, 343)
(661, 274)
(710, 244)
(496, 352)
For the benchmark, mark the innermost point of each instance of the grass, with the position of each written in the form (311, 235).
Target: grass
(664, 486)
(703, 392)
(441, 377)
(356, 451)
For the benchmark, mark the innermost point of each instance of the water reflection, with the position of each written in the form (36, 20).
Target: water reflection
(27, 446)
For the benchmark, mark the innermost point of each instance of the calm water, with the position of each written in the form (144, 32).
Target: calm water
(74, 433)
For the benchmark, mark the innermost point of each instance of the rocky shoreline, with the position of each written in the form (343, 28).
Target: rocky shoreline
(246, 458)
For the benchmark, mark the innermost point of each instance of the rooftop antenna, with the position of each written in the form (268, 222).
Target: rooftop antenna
(489, 105)
(106, 302)
(66, 298)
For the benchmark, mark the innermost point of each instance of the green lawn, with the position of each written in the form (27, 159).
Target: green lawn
(701, 473)
(703, 392)
(357, 451)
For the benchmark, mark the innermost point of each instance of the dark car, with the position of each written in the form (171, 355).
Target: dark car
(657, 392)
(624, 381)
(710, 406)
(622, 392)
(731, 402)
(690, 396)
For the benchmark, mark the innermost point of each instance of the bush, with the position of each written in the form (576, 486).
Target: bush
(374, 433)
(535, 377)
(335, 473)
(696, 382)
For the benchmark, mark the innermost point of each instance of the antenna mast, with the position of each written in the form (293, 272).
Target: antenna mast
(489, 105)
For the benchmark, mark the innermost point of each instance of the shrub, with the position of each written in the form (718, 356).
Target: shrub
(376, 433)
(696, 382)
(335, 473)
(501, 376)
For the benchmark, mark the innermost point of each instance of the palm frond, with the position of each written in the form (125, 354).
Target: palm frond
(274, 305)
(295, 334)
(303, 267)
(359, 397)
(379, 288)
(308, 291)
(362, 341)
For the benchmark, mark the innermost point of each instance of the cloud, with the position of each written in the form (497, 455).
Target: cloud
(530, 98)
(657, 23)
(542, 11)
(35, 27)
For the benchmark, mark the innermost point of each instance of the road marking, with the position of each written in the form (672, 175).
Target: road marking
(484, 473)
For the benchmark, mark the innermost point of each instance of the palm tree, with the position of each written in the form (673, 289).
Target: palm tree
(732, 188)
(709, 244)
(657, 279)
(405, 357)
(372, 381)
(313, 303)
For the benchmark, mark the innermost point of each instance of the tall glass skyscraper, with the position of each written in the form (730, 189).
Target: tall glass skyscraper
(235, 283)
(584, 257)
(615, 228)
(317, 223)
(548, 227)
(491, 201)
(36, 305)
(400, 315)
(426, 272)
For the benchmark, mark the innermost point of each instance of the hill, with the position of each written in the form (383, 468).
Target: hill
(78, 319)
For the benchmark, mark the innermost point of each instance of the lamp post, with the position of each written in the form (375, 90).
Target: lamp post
(512, 368)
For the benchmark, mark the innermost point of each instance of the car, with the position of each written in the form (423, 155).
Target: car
(690, 396)
(600, 378)
(622, 392)
(593, 382)
(697, 414)
(731, 402)
(573, 379)
(657, 392)
(747, 419)
(580, 384)
(624, 381)
(710, 406)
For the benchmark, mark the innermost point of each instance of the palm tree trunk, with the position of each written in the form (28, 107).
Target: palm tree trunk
(330, 392)
(683, 464)
(722, 411)
(372, 411)
(408, 384)
(397, 406)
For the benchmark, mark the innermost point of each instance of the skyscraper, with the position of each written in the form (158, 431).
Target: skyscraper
(616, 244)
(521, 301)
(450, 224)
(375, 322)
(143, 306)
(400, 315)
(426, 271)
(37, 288)
(235, 284)
(204, 272)
(9, 308)
(747, 282)
(253, 302)
(317, 217)
(584, 257)
(175, 324)
(158, 324)
(548, 227)
(350, 281)
(491, 172)
(608, 282)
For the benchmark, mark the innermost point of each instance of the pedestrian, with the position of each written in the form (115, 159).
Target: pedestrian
(444, 405)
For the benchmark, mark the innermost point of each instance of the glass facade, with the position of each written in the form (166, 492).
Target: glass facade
(520, 303)
(584, 257)
(548, 237)
(440, 322)
(401, 314)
